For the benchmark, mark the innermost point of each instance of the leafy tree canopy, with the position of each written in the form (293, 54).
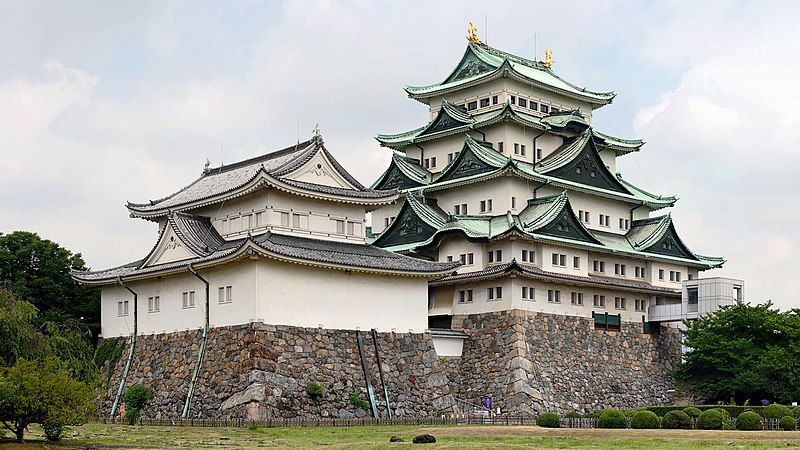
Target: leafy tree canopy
(43, 393)
(743, 351)
(37, 270)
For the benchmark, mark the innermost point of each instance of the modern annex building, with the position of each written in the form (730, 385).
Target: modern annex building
(510, 178)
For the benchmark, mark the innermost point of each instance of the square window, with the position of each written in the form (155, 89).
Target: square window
(472, 105)
(533, 106)
(484, 102)
(523, 103)
(449, 258)
(544, 108)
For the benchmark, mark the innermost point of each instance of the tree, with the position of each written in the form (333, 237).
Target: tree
(22, 337)
(741, 351)
(38, 270)
(35, 392)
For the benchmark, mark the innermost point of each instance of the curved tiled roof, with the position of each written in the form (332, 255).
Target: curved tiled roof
(198, 234)
(219, 181)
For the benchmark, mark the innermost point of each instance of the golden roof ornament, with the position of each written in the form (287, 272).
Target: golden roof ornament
(472, 33)
(548, 58)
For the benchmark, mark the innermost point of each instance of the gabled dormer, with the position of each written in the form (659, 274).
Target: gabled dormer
(577, 160)
(184, 237)
(476, 157)
(417, 221)
(658, 235)
(403, 173)
(553, 216)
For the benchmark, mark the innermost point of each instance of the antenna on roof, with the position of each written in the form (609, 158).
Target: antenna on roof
(298, 129)
(535, 47)
(486, 27)
(221, 153)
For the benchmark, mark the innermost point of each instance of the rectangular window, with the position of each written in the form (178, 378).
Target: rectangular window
(533, 106)
(500, 147)
(513, 202)
(677, 276)
(340, 225)
(284, 219)
(469, 295)
(490, 293)
(599, 266)
(495, 100)
(619, 302)
(462, 296)
(489, 205)
(498, 292)
(661, 274)
(538, 153)
(449, 158)
(484, 102)
(576, 298)
(524, 256)
(619, 269)
(449, 258)
(221, 294)
(490, 256)
(154, 304)
(299, 220)
(464, 209)
(553, 296)
(671, 275)
(554, 110)
(522, 149)
(122, 308)
(523, 103)
(228, 294)
(188, 299)
(599, 301)
(433, 161)
(351, 228)
(259, 219)
(426, 163)
(638, 304)
(605, 220)
(472, 105)
(524, 292)
(457, 209)
(513, 100)
(544, 108)
(498, 255)
(483, 205)
(576, 262)
(516, 148)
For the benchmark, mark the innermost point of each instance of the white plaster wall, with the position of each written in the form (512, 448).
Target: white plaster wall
(261, 211)
(595, 206)
(379, 216)
(480, 302)
(276, 293)
(447, 346)
(500, 190)
(546, 259)
(292, 294)
(172, 316)
(456, 247)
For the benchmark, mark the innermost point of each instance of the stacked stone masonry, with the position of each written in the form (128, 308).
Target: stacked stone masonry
(258, 371)
(533, 362)
(528, 362)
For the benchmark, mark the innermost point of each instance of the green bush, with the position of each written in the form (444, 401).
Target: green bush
(548, 420)
(733, 410)
(356, 400)
(314, 390)
(676, 420)
(612, 418)
(135, 398)
(775, 411)
(692, 411)
(53, 431)
(748, 421)
(710, 419)
(788, 423)
(644, 420)
(592, 415)
(796, 412)
(573, 415)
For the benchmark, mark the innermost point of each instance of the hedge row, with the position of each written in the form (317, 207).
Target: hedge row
(773, 411)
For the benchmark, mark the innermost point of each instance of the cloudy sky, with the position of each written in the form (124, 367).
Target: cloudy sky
(103, 102)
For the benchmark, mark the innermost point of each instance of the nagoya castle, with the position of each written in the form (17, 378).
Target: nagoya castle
(510, 178)
(507, 258)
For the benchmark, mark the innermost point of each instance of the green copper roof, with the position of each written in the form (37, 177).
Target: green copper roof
(403, 173)
(449, 122)
(415, 222)
(478, 161)
(482, 62)
(549, 219)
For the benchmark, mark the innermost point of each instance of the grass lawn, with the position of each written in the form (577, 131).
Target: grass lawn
(369, 437)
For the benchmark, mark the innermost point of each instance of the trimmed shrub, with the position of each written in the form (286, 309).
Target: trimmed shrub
(775, 411)
(612, 418)
(572, 415)
(135, 398)
(592, 415)
(733, 410)
(314, 390)
(788, 423)
(644, 420)
(796, 412)
(711, 419)
(548, 420)
(749, 421)
(692, 411)
(676, 420)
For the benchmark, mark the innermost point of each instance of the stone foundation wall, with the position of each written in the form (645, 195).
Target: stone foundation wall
(259, 371)
(529, 363)
(533, 362)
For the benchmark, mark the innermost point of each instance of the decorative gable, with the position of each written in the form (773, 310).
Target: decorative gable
(469, 67)
(319, 170)
(442, 122)
(170, 248)
(466, 164)
(396, 179)
(406, 228)
(587, 168)
(670, 245)
(566, 225)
